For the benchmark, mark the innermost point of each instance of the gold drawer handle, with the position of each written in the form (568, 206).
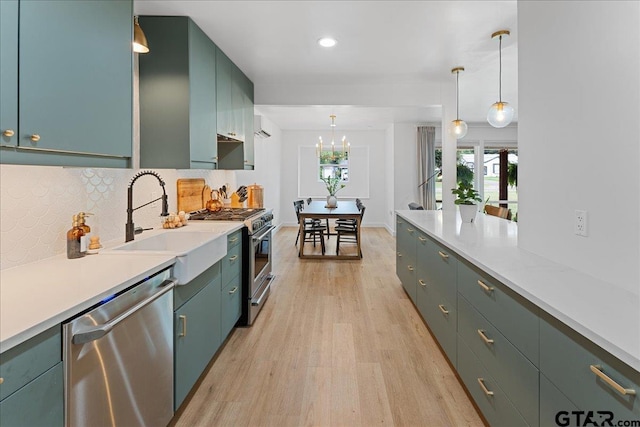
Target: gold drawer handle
(422, 282)
(399, 222)
(399, 255)
(410, 268)
(8, 133)
(233, 240)
(410, 230)
(35, 137)
(484, 388)
(443, 309)
(422, 239)
(597, 369)
(233, 291)
(184, 325)
(1, 380)
(233, 258)
(485, 287)
(443, 255)
(484, 337)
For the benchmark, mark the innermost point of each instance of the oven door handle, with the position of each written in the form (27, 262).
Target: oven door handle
(260, 237)
(266, 290)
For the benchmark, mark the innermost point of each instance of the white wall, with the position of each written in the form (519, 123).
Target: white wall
(267, 169)
(376, 201)
(405, 165)
(389, 154)
(579, 98)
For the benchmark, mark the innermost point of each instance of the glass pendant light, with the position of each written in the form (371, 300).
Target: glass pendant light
(140, 44)
(501, 113)
(457, 128)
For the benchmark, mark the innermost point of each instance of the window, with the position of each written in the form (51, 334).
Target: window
(334, 164)
(492, 180)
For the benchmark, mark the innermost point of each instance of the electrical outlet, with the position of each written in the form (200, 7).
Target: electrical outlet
(154, 196)
(580, 223)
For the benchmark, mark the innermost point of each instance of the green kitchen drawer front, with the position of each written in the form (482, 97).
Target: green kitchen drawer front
(514, 373)
(512, 315)
(231, 305)
(406, 256)
(425, 293)
(29, 360)
(234, 239)
(589, 376)
(441, 316)
(555, 408)
(492, 401)
(441, 268)
(231, 264)
(39, 403)
(183, 293)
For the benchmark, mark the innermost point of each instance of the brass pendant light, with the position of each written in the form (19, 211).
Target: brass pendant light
(140, 44)
(458, 128)
(501, 113)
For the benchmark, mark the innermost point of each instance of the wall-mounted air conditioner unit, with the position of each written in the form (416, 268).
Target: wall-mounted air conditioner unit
(259, 127)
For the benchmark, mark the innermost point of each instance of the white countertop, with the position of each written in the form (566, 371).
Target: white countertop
(603, 312)
(39, 295)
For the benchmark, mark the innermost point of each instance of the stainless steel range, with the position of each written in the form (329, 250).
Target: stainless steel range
(256, 254)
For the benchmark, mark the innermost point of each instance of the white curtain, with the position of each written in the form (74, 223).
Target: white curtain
(427, 166)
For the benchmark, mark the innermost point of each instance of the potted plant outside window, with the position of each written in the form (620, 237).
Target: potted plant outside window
(467, 199)
(332, 188)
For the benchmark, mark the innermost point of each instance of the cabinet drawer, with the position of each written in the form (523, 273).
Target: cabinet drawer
(231, 306)
(566, 359)
(406, 272)
(514, 373)
(555, 407)
(496, 407)
(512, 315)
(441, 316)
(234, 239)
(231, 264)
(30, 359)
(39, 403)
(182, 294)
(441, 266)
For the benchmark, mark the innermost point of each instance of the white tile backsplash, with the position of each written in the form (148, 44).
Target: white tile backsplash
(37, 204)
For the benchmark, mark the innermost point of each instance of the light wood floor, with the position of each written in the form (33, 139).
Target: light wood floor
(338, 343)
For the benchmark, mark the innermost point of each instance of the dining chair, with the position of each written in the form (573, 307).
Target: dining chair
(309, 200)
(415, 206)
(497, 211)
(348, 233)
(312, 228)
(349, 221)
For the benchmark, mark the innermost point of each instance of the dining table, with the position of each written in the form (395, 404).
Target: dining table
(346, 209)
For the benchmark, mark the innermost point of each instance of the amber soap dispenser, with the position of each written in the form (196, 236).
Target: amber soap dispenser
(74, 240)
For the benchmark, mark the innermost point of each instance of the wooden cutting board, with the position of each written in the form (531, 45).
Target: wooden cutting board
(190, 194)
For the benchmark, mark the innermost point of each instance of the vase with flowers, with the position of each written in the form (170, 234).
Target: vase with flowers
(333, 186)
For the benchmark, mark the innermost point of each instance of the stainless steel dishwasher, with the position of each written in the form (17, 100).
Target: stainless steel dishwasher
(118, 358)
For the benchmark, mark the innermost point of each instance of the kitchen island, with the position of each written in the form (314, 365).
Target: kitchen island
(528, 337)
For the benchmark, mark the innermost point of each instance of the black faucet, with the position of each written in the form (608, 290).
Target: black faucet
(129, 228)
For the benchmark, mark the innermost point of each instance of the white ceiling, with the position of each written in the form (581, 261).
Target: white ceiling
(380, 42)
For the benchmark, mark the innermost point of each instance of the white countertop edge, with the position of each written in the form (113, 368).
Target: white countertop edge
(556, 312)
(11, 341)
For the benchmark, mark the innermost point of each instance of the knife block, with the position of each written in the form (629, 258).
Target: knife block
(235, 201)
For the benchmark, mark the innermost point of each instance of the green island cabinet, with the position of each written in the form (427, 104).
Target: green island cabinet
(31, 389)
(521, 366)
(234, 109)
(177, 95)
(205, 312)
(66, 82)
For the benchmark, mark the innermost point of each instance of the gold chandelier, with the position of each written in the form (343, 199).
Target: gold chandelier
(346, 146)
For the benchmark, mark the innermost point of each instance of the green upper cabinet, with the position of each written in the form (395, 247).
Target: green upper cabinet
(248, 113)
(224, 96)
(9, 72)
(177, 95)
(73, 92)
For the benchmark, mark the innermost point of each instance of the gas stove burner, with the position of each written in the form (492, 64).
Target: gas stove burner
(225, 214)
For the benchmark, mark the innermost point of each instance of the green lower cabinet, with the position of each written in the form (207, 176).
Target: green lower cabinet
(555, 408)
(492, 401)
(406, 256)
(231, 307)
(442, 317)
(39, 403)
(197, 338)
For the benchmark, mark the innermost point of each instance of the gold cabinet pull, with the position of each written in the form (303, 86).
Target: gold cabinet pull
(484, 337)
(485, 287)
(410, 268)
(35, 137)
(399, 222)
(484, 388)
(422, 239)
(410, 230)
(183, 318)
(443, 255)
(8, 133)
(233, 240)
(422, 282)
(233, 258)
(443, 309)
(233, 291)
(1, 380)
(597, 369)
(399, 255)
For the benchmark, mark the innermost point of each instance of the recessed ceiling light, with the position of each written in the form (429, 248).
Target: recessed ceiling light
(327, 42)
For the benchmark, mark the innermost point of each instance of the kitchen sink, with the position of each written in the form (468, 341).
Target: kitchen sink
(195, 251)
